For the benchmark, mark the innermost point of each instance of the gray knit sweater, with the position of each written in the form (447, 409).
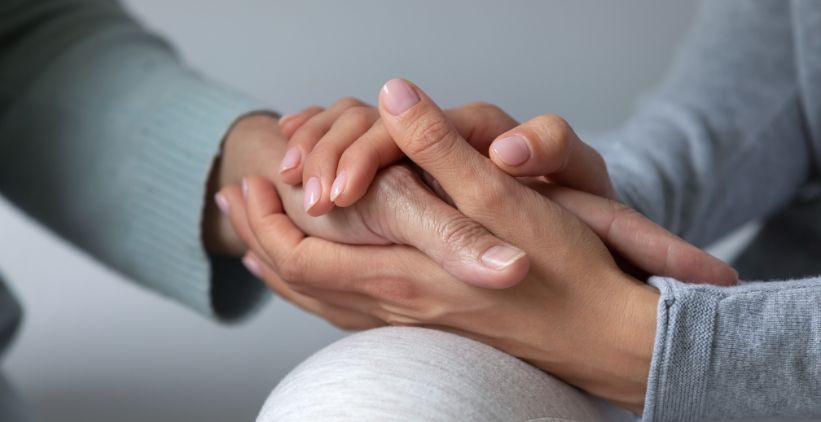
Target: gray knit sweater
(106, 138)
(732, 135)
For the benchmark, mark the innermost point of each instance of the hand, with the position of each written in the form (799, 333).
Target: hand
(393, 212)
(336, 153)
(348, 144)
(576, 314)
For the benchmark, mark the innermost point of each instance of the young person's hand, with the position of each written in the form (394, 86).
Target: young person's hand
(335, 153)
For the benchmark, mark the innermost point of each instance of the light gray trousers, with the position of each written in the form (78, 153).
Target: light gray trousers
(416, 374)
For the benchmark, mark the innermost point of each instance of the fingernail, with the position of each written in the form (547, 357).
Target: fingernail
(398, 96)
(501, 257)
(312, 191)
(290, 160)
(245, 188)
(512, 150)
(222, 202)
(339, 185)
(252, 265)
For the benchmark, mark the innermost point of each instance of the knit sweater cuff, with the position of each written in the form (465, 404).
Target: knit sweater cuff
(678, 377)
(183, 132)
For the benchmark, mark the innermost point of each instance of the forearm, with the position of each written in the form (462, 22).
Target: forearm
(110, 144)
(736, 353)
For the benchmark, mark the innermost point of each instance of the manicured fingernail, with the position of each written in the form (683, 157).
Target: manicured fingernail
(501, 257)
(245, 188)
(291, 159)
(398, 96)
(252, 265)
(339, 185)
(222, 202)
(313, 189)
(512, 150)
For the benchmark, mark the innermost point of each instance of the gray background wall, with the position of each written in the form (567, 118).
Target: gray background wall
(96, 348)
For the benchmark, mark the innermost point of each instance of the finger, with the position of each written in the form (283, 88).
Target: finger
(423, 133)
(321, 163)
(261, 266)
(548, 146)
(288, 124)
(311, 261)
(478, 123)
(309, 133)
(341, 317)
(236, 212)
(643, 243)
(359, 163)
(458, 244)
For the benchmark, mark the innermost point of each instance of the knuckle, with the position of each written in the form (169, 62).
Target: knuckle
(430, 134)
(397, 181)
(619, 214)
(291, 269)
(484, 108)
(357, 118)
(307, 135)
(460, 232)
(555, 136)
(348, 102)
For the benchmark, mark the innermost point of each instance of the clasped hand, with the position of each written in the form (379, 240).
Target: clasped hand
(506, 239)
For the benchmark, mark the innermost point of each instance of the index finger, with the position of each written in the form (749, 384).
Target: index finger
(423, 132)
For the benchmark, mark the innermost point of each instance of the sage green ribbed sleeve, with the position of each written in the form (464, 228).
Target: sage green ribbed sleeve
(108, 139)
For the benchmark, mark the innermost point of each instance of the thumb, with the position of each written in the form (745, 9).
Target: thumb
(458, 244)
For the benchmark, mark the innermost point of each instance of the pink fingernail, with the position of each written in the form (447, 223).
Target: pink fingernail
(222, 203)
(512, 150)
(313, 189)
(252, 265)
(245, 188)
(291, 159)
(501, 257)
(339, 185)
(398, 96)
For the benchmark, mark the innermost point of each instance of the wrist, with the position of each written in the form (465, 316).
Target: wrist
(632, 345)
(248, 148)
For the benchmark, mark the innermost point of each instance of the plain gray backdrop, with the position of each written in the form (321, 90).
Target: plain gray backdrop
(96, 348)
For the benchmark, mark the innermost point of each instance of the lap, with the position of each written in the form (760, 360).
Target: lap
(391, 374)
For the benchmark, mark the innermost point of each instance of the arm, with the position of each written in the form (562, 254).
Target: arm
(109, 140)
(738, 352)
(723, 141)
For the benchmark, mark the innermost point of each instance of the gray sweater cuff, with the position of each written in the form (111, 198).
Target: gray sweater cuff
(681, 355)
(743, 352)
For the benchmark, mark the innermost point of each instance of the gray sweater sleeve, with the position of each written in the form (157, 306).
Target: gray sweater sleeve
(723, 142)
(108, 140)
(741, 352)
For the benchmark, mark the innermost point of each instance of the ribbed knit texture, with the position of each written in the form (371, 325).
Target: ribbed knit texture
(111, 146)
